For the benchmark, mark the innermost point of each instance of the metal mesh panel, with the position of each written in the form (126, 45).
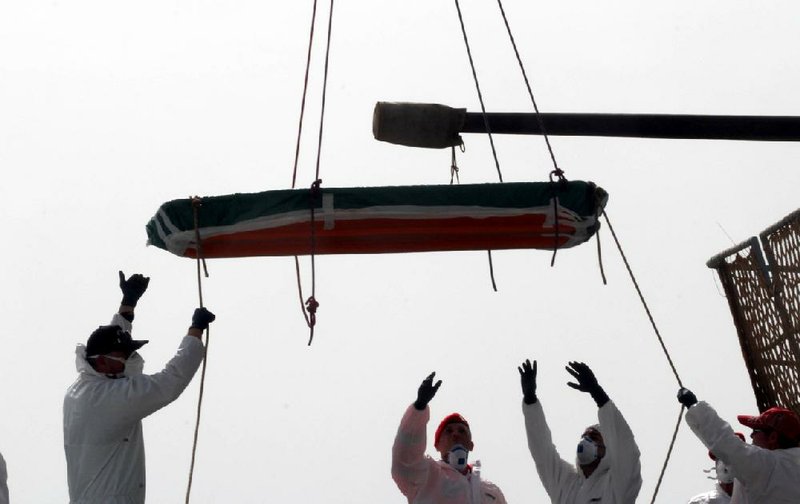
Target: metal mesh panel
(764, 298)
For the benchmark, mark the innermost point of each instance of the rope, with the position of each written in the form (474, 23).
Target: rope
(324, 89)
(454, 165)
(309, 306)
(559, 173)
(311, 303)
(478, 88)
(196, 203)
(599, 249)
(641, 298)
(669, 453)
(485, 123)
(305, 90)
(300, 289)
(556, 169)
(558, 226)
(663, 347)
(491, 271)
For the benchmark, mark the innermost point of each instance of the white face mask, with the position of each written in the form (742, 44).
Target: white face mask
(587, 451)
(723, 473)
(457, 457)
(121, 360)
(133, 365)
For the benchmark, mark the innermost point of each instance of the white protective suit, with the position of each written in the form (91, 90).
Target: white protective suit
(3, 481)
(763, 476)
(716, 496)
(616, 480)
(424, 480)
(102, 422)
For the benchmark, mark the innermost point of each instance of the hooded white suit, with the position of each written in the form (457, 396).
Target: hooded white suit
(426, 481)
(102, 422)
(616, 480)
(769, 476)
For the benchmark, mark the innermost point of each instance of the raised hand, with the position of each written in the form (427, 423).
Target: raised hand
(201, 318)
(586, 382)
(527, 378)
(426, 391)
(132, 288)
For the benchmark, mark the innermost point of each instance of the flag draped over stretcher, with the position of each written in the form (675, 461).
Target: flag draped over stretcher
(373, 220)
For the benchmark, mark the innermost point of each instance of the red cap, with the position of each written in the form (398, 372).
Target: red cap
(714, 457)
(781, 420)
(451, 418)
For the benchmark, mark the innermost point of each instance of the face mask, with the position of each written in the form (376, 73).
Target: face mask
(132, 366)
(723, 473)
(587, 451)
(121, 360)
(457, 457)
(121, 374)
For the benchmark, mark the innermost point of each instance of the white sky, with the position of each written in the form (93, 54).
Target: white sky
(109, 109)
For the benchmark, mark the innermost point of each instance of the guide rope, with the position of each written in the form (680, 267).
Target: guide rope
(663, 348)
(196, 204)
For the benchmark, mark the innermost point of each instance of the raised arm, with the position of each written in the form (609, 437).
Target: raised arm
(555, 473)
(621, 449)
(749, 463)
(410, 467)
(625, 458)
(141, 395)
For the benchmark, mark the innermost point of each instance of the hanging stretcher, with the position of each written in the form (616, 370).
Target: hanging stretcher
(375, 220)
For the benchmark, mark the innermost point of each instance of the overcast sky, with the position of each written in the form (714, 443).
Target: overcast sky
(109, 109)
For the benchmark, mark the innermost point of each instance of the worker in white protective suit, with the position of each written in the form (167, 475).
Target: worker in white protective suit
(607, 469)
(450, 480)
(3, 481)
(721, 494)
(766, 471)
(104, 408)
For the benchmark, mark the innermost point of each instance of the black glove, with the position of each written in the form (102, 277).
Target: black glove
(202, 318)
(527, 377)
(586, 382)
(132, 288)
(686, 397)
(426, 391)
